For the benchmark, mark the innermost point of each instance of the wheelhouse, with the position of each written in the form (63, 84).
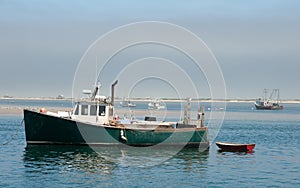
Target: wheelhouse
(93, 112)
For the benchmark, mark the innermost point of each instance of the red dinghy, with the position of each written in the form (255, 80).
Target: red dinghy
(227, 146)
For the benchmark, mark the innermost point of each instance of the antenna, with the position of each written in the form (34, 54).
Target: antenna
(96, 76)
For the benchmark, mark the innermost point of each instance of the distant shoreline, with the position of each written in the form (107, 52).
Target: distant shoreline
(18, 110)
(283, 101)
(13, 109)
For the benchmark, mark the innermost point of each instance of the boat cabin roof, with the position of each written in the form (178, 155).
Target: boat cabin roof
(89, 109)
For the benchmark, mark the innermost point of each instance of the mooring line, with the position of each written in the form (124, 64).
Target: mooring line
(13, 136)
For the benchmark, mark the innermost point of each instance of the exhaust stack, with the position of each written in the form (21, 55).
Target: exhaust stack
(113, 92)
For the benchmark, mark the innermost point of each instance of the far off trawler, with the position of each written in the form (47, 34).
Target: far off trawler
(92, 122)
(269, 103)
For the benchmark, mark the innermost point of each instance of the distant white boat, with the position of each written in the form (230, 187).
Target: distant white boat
(127, 103)
(156, 105)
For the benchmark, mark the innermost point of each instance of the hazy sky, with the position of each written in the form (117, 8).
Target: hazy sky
(256, 43)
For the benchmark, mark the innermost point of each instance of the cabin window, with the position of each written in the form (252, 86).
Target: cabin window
(76, 110)
(84, 110)
(101, 110)
(93, 110)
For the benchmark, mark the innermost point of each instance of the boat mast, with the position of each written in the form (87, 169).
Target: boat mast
(187, 112)
(265, 96)
(202, 116)
(273, 93)
(277, 92)
(198, 116)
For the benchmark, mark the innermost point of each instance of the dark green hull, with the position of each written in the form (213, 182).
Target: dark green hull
(45, 129)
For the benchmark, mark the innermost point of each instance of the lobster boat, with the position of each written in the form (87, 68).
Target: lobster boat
(93, 122)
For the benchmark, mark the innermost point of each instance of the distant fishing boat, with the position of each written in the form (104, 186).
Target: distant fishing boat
(235, 147)
(156, 105)
(269, 103)
(127, 103)
(93, 122)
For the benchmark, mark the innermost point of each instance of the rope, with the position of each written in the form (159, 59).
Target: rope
(13, 136)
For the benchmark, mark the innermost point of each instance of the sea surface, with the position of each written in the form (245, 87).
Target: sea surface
(275, 161)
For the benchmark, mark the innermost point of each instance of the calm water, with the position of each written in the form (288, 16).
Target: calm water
(275, 162)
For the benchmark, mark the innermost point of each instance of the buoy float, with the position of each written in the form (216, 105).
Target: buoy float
(116, 117)
(43, 110)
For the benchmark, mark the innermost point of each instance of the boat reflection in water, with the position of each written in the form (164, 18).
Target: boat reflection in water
(47, 158)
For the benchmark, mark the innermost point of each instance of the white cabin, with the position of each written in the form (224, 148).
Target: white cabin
(93, 112)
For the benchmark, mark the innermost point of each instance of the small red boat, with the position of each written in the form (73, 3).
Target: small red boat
(227, 146)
